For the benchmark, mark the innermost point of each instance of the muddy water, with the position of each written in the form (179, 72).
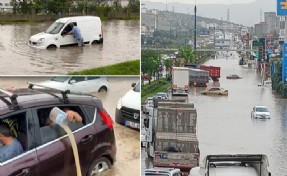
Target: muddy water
(121, 43)
(128, 140)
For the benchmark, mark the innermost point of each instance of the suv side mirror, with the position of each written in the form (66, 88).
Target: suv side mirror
(133, 84)
(269, 174)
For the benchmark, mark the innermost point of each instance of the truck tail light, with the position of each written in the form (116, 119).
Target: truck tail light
(106, 118)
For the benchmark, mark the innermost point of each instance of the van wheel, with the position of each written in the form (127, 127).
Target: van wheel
(52, 47)
(103, 89)
(99, 167)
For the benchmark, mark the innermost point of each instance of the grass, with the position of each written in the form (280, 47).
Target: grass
(156, 86)
(123, 68)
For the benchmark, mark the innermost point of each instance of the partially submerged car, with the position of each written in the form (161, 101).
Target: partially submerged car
(215, 91)
(233, 76)
(260, 112)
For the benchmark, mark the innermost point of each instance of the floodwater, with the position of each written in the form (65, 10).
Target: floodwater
(224, 125)
(121, 43)
(127, 140)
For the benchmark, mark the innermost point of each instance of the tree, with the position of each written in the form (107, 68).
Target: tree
(188, 54)
(149, 62)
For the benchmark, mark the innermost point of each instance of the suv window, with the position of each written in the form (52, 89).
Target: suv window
(93, 77)
(77, 79)
(137, 88)
(50, 132)
(60, 79)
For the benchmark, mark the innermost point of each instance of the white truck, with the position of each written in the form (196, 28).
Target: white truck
(180, 78)
(171, 135)
(235, 165)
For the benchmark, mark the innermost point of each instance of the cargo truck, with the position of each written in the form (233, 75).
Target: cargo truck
(235, 165)
(198, 78)
(171, 135)
(180, 78)
(214, 72)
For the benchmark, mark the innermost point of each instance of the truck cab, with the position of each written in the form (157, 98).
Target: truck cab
(235, 165)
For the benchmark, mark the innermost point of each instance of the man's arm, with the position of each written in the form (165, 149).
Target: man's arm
(73, 115)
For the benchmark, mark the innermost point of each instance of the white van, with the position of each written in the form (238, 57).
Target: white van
(90, 27)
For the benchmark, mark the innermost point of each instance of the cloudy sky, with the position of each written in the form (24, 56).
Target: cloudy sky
(246, 12)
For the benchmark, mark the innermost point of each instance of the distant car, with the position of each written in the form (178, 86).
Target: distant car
(162, 95)
(215, 91)
(85, 84)
(162, 171)
(233, 77)
(148, 105)
(260, 112)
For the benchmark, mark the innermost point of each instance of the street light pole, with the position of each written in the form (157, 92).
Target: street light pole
(194, 42)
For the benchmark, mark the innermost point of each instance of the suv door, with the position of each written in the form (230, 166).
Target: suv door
(25, 164)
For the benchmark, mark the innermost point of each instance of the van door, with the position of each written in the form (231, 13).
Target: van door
(65, 40)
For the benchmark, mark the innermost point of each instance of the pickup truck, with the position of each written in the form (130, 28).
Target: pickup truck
(233, 165)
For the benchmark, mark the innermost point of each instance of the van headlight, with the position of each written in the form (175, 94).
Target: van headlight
(119, 105)
(40, 41)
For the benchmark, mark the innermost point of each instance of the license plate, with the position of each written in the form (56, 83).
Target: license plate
(132, 124)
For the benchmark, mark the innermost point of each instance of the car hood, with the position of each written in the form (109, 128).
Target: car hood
(262, 113)
(52, 84)
(36, 37)
(132, 100)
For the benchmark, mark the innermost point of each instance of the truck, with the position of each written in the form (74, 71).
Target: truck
(171, 135)
(180, 78)
(214, 72)
(235, 165)
(198, 77)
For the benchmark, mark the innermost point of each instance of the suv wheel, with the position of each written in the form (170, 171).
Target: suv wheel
(99, 166)
(103, 89)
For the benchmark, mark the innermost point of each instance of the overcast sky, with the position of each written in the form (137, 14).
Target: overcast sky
(246, 12)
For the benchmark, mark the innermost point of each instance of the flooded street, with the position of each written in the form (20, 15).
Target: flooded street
(121, 43)
(224, 125)
(128, 142)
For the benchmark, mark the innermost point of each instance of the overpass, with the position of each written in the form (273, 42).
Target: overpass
(198, 49)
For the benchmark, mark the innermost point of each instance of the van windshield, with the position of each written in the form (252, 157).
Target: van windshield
(55, 28)
(137, 88)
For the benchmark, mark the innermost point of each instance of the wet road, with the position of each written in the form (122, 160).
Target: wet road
(128, 142)
(121, 43)
(224, 123)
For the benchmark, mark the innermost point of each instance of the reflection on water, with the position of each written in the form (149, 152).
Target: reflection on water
(121, 43)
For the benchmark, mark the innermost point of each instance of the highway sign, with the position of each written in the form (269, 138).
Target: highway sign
(282, 7)
(257, 43)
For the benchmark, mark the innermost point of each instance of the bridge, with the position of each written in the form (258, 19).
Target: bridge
(199, 49)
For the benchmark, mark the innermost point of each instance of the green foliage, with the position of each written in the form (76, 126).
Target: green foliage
(124, 68)
(188, 54)
(149, 90)
(149, 62)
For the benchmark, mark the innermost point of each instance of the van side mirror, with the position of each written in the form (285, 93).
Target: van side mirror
(146, 122)
(133, 84)
(73, 81)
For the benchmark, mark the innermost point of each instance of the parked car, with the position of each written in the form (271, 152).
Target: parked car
(215, 91)
(162, 95)
(129, 107)
(54, 36)
(233, 77)
(162, 171)
(148, 105)
(85, 84)
(267, 83)
(260, 112)
(47, 149)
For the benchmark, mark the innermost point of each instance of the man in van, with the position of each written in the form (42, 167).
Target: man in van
(11, 147)
(77, 33)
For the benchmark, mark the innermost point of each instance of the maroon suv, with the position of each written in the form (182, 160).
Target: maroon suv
(47, 151)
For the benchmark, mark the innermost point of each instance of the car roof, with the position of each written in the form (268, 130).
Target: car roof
(260, 106)
(76, 18)
(27, 98)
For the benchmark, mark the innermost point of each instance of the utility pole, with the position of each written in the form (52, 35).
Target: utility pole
(194, 42)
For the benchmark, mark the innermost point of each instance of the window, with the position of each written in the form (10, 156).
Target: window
(93, 77)
(55, 28)
(1, 4)
(60, 79)
(77, 79)
(51, 131)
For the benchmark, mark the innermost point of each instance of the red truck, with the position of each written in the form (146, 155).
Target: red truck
(214, 72)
